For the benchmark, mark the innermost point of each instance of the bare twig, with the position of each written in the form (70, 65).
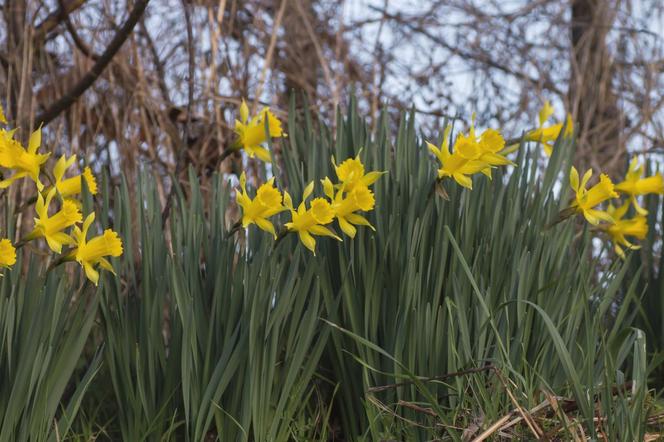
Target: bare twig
(80, 44)
(270, 52)
(53, 20)
(91, 76)
(319, 51)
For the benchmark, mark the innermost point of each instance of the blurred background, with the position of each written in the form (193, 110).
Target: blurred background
(158, 82)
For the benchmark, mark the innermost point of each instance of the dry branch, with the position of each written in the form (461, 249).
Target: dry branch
(91, 76)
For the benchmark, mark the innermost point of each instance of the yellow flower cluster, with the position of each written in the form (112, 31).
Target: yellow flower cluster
(58, 213)
(472, 154)
(350, 195)
(612, 220)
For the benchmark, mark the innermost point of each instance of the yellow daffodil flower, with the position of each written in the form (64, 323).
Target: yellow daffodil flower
(636, 227)
(52, 228)
(587, 199)
(68, 187)
(451, 165)
(548, 135)
(7, 253)
(358, 199)
(491, 144)
(308, 222)
(634, 184)
(350, 174)
(252, 134)
(465, 159)
(267, 203)
(94, 252)
(484, 148)
(23, 162)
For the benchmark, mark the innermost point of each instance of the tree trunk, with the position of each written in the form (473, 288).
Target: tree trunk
(300, 65)
(594, 103)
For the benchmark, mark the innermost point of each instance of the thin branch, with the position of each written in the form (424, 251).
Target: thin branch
(53, 20)
(319, 53)
(270, 52)
(184, 145)
(91, 76)
(80, 44)
(480, 57)
(158, 64)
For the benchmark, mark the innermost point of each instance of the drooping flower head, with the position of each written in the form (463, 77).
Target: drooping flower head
(68, 187)
(636, 227)
(93, 253)
(547, 135)
(7, 253)
(267, 203)
(23, 162)
(311, 221)
(586, 200)
(252, 133)
(52, 228)
(345, 206)
(634, 184)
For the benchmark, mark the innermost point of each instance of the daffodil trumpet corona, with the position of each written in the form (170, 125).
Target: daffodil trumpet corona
(351, 173)
(70, 187)
(92, 253)
(52, 227)
(7, 253)
(586, 201)
(621, 228)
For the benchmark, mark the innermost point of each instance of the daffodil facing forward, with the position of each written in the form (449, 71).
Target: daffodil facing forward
(7, 253)
(52, 228)
(549, 134)
(634, 185)
(267, 203)
(23, 162)
(457, 165)
(311, 221)
(344, 207)
(485, 148)
(68, 187)
(253, 133)
(350, 174)
(92, 253)
(587, 200)
(636, 227)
